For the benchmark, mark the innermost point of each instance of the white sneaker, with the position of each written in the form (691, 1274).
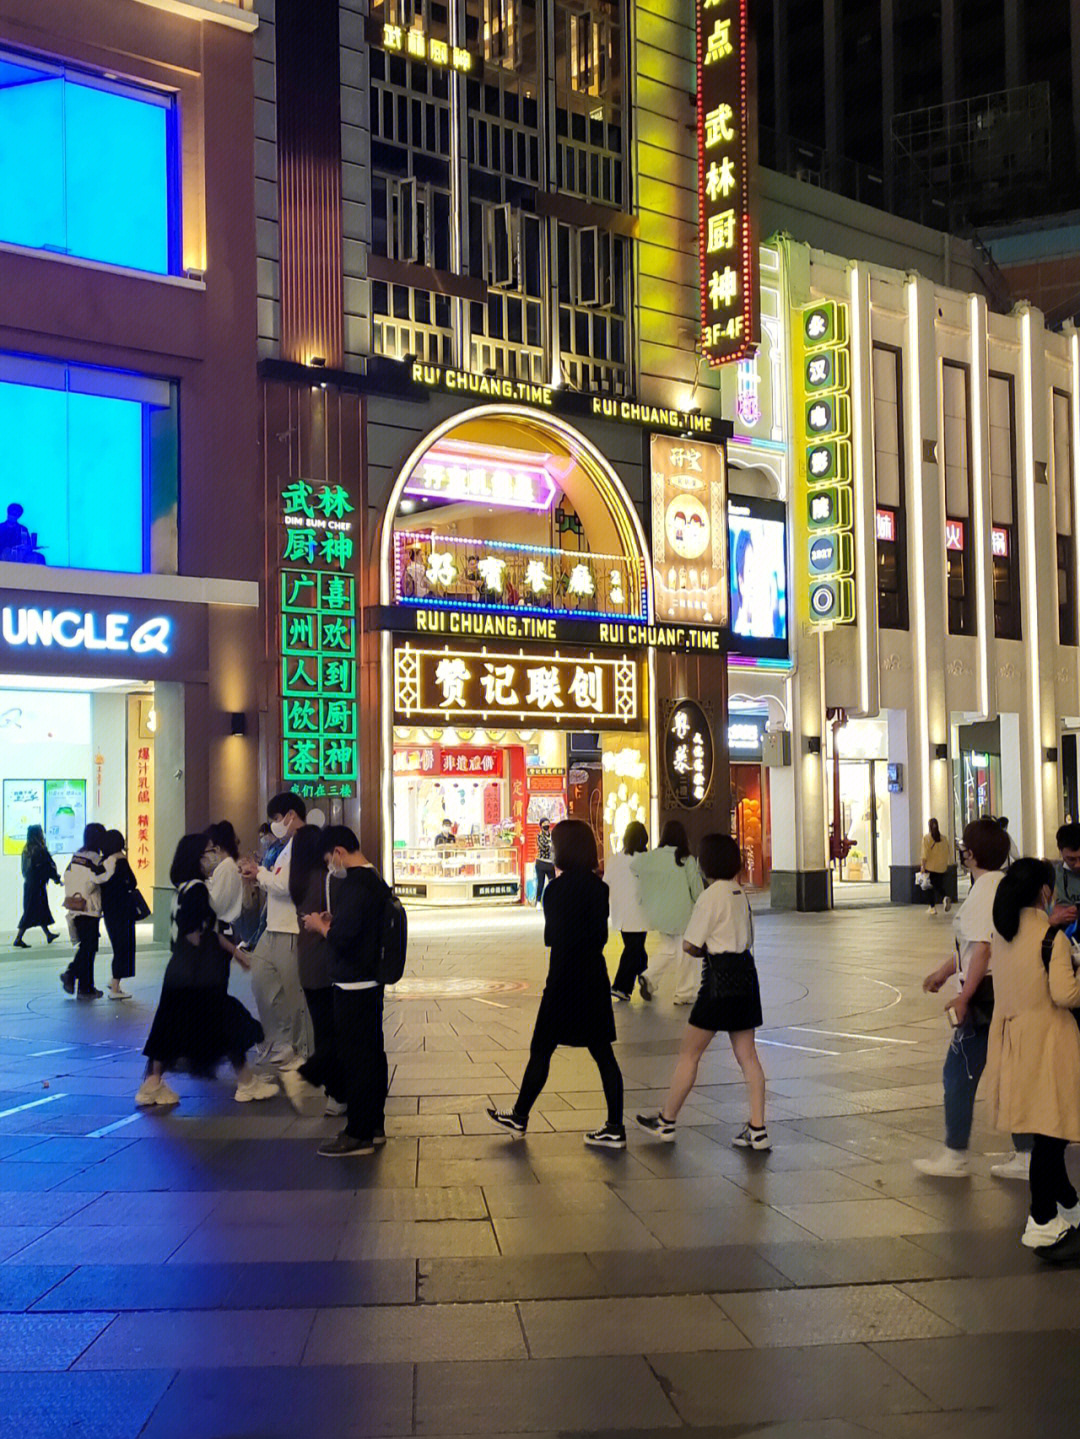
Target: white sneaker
(118, 993)
(304, 1097)
(256, 1088)
(933, 909)
(1070, 1216)
(949, 1164)
(155, 1091)
(335, 1108)
(947, 903)
(1041, 1236)
(1017, 1166)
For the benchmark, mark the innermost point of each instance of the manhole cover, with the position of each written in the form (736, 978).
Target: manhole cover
(458, 987)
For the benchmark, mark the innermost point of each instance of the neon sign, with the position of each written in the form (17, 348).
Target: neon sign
(999, 543)
(688, 754)
(487, 474)
(415, 45)
(726, 242)
(85, 630)
(954, 535)
(885, 523)
(823, 380)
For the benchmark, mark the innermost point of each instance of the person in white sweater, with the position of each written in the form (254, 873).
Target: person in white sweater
(625, 911)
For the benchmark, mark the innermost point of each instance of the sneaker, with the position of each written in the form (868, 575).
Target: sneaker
(932, 909)
(90, 993)
(607, 1137)
(257, 1088)
(1071, 1215)
(949, 1164)
(1017, 1166)
(750, 1138)
(947, 904)
(155, 1091)
(656, 1125)
(379, 1137)
(1041, 1236)
(334, 1109)
(344, 1146)
(118, 993)
(619, 995)
(67, 979)
(645, 989)
(304, 1097)
(509, 1120)
(679, 1001)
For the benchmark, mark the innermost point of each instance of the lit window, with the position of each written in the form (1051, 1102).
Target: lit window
(86, 167)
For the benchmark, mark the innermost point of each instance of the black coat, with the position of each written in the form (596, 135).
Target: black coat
(38, 870)
(576, 1006)
(118, 912)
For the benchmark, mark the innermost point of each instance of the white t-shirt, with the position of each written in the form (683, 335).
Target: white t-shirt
(226, 890)
(280, 910)
(974, 922)
(721, 922)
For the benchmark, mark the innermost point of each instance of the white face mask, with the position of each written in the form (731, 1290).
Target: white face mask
(209, 862)
(337, 871)
(279, 829)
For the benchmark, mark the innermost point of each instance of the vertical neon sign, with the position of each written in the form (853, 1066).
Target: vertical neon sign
(727, 244)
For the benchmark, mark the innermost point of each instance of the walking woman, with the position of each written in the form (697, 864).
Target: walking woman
(118, 912)
(669, 885)
(934, 863)
(313, 892)
(545, 870)
(627, 915)
(1033, 1066)
(198, 1022)
(576, 1006)
(721, 935)
(38, 869)
(225, 882)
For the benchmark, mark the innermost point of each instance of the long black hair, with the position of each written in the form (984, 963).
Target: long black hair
(1021, 888)
(187, 861)
(673, 836)
(307, 857)
(935, 831)
(223, 837)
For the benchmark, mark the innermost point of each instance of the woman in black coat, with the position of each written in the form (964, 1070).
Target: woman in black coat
(576, 1006)
(38, 868)
(118, 912)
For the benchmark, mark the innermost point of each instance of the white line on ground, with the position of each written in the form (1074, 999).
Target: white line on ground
(119, 1124)
(489, 1002)
(33, 1104)
(805, 1048)
(41, 1053)
(846, 1034)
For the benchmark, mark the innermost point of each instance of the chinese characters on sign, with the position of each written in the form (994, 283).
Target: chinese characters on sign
(726, 241)
(415, 45)
(823, 401)
(438, 760)
(142, 726)
(318, 640)
(690, 553)
(688, 754)
(476, 684)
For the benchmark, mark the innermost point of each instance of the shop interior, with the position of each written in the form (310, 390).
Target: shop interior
(72, 751)
(858, 763)
(468, 804)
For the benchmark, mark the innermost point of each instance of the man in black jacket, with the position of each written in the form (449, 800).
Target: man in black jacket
(354, 932)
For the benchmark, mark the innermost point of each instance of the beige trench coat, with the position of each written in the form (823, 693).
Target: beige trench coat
(1033, 1066)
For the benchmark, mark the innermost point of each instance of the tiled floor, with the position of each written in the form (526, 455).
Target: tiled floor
(203, 1273)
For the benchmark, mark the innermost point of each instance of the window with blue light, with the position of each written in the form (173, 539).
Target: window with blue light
(87, 167)
(89, 474)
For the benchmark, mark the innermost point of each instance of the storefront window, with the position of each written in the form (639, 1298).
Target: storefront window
(89, 476)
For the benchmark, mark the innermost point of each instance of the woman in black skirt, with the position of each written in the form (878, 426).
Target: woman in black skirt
(198, 1022)
(38, 868)
(576, 1006)
(118, 913)
(721, 933)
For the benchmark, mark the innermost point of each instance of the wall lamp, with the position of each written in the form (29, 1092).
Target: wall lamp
(318, 362)
(941, 751)
(238, 723)
(1051, 755)
(813, 743)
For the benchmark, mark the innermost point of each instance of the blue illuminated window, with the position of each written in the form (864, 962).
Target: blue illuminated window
(89, 467)
(87, 167)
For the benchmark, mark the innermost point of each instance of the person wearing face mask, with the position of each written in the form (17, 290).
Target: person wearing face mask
(275, 974)
(353, 933)
(224, 880)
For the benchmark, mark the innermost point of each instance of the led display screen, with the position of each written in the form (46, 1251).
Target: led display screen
(757, 540)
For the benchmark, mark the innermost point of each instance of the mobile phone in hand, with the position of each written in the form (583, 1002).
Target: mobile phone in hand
(950, 1015)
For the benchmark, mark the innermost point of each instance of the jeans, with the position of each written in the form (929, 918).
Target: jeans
(81, 968)
(536, 1073)
(545, 871)
(633, 961)
(964, 1065)
(1050, 1183)
(360, 1068)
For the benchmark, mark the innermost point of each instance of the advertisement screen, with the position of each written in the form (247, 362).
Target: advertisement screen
(757, 539)
(24, 805)
(65, 814)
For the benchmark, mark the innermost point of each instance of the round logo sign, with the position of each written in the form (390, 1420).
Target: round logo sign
(823, 601)
(823, 555)
(688, 754)
(687, 526)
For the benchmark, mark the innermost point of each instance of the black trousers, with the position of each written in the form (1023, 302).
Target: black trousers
(545, 870)
(81, 968)
(936, 893)
(1050, 1183)
(536, 1073)
(121, 934)
(320, 1069)
(634, 961)
(360, 1067)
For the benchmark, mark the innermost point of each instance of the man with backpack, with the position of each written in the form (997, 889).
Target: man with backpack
(367, 936)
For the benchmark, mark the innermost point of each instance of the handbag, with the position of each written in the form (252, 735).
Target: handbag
(76, 903)
(139, 907)
(728, 976)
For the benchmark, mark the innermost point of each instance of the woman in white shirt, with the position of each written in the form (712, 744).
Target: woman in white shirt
(721, 933)
(225, 883)
(625, 911)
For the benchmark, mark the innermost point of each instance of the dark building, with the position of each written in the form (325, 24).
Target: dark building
(956, 113)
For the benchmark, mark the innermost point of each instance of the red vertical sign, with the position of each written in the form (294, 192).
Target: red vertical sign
(727, 240)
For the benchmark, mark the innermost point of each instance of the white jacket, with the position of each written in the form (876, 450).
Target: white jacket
(625, 909)
(281, 915)
(226, 890)
(85, 874)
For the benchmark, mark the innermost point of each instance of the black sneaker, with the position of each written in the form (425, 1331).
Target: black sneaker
(509, 1120)
(68, 981)
(644, 988)
(619, 994)
(607, 1138)
(90, 993)
(345, 1146)
(750, 1138)
(656, 1125)
(379, 1137)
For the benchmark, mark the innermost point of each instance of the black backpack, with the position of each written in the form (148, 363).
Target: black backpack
(1047, 952)
(393, 939)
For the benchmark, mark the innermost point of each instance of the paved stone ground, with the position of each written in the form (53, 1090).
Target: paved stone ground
(203, 1273)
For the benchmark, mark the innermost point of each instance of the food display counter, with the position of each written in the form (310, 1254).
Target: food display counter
(458, 874)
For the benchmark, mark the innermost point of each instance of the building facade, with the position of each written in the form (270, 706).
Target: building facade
(131, 549)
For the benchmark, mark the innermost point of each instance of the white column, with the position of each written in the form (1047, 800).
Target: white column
(864, 494)
(981, 521)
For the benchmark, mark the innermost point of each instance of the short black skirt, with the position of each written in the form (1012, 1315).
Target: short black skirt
(732, 1005)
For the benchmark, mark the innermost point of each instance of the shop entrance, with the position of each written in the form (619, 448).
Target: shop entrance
(73, 751)
(858, 751)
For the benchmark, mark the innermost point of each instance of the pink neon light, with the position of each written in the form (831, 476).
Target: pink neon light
(488, 475)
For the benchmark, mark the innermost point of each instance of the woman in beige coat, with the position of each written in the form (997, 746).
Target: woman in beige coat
(1033, 1065)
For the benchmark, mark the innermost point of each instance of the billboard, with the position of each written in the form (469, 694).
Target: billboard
(757, 540)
